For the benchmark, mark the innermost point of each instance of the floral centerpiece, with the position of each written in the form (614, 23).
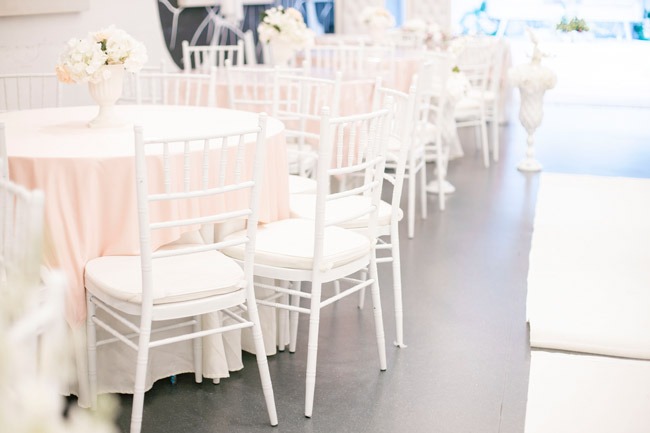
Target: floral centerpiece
(376, 18)
(575, 25)
(430, 33)
(82, 59)
(100, 60)
(285, 31)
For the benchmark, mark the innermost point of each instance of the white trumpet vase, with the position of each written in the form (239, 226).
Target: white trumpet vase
(531, 113)
(533, 80)
(105, 93)
(281, 53)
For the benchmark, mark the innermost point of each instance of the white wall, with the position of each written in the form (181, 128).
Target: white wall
(32, 43)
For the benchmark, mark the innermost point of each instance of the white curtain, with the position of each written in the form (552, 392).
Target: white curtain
(347, 14)
(430, 10)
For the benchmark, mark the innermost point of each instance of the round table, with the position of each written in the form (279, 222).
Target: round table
(88, 178)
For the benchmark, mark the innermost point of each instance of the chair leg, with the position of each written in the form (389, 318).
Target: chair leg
(91, 338)
(441, 175)
(140, 376)
(411, 205)
(293, 319)
(283, 320)
(262, 362)
(197, 346)
(397, 287)
(484, 141)
(312, 347)
(362, 292)
(379, 320)
(423, 191)
(495, 134)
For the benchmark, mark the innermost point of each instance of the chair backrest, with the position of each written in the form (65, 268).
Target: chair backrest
(208, 170)
(401, 130)
(496, 78)
(21, 246)
(176, 88)
(431, 86)
(350, 146)
(226, 33)
(406, 39)
(475, 58)
(4, 161)
(337, 57)
(432, 95)
(203, 57)
(27, 91)
(129, 90)
(299, 98)
(252, 88)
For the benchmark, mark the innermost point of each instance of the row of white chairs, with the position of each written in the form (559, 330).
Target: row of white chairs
(330, 250)
(289, 294)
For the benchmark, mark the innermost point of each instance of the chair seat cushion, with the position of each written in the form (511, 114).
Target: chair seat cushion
(467, 104)
(289, 244)
(487, 95)
(175, 279)
(301, 185)
(304, 206)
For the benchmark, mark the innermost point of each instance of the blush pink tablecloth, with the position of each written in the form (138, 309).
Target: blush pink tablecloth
(88, 175)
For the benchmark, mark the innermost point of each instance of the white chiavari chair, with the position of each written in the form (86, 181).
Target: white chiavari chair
(33, 331)
(415, 164)
(182, 281)
(319, 250)
(431, 83)
(400, 144)
(299, 96)
(202, 58)
(494, 94)
(176, 88)
(29, 90)
(475, 60)
(21, 243)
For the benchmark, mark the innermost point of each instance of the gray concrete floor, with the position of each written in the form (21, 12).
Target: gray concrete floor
(464, 275)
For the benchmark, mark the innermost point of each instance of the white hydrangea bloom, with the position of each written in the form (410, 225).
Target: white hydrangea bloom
(82, 59)
(285, 25)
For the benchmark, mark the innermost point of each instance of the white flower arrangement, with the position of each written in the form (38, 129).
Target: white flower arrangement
(286, 26)
(82, 59)
(376, 18)
(430, 32)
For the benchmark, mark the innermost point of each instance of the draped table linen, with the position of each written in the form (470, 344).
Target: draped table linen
(88, 177)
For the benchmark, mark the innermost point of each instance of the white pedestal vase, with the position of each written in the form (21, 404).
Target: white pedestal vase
(281, 53)
(531, 113)
(106, 93)
(533, 80)
(457, 88)
(377, 35)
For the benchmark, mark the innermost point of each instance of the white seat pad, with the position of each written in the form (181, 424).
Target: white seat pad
(571, 393)
(589, 273)
(301, 185)
(467, 104)
(290, 244)
(304, 206)
(175, 279)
